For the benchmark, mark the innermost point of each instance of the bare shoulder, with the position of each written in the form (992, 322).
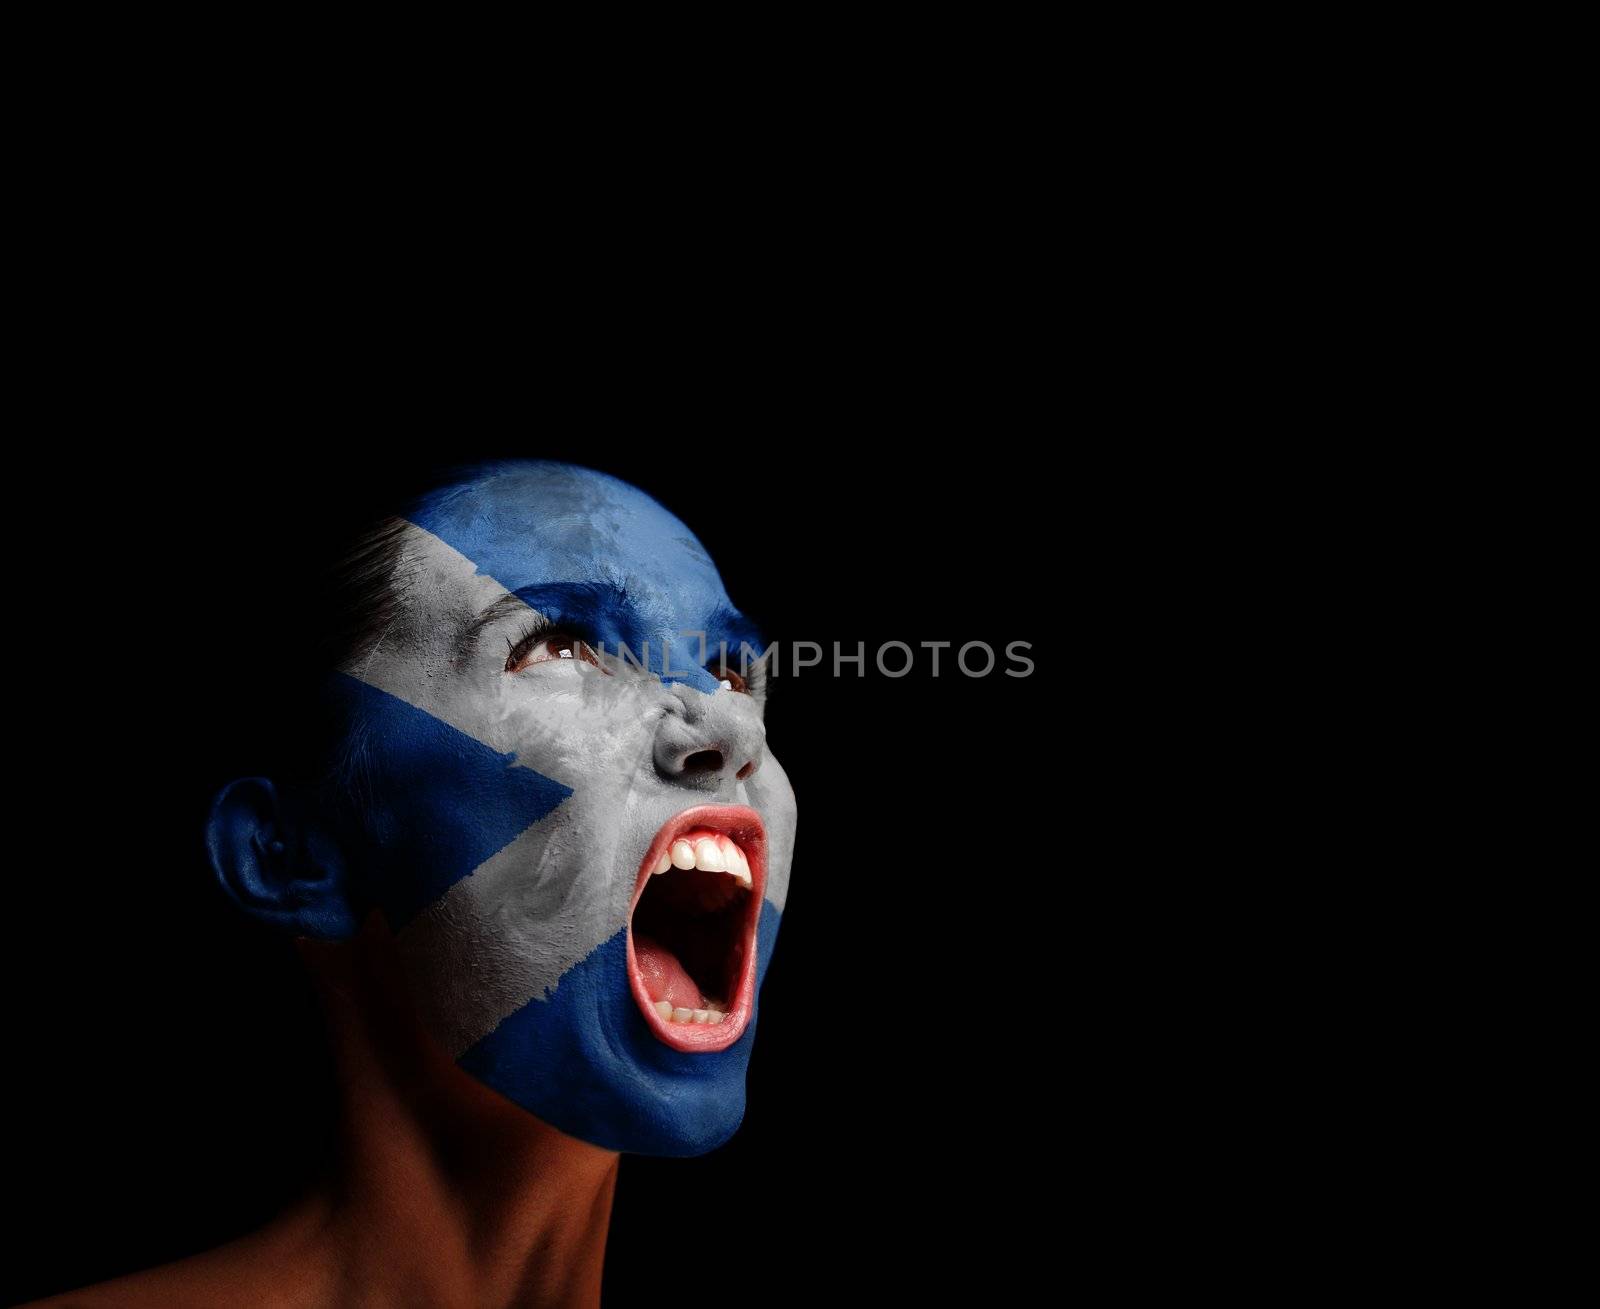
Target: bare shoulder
(277, 1268)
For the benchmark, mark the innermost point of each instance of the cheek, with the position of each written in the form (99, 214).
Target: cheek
(438, 801)
(770, 794)
(507, 935)
(580, 729)
(433, 801)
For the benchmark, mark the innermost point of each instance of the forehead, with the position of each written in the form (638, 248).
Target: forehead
(536, 524)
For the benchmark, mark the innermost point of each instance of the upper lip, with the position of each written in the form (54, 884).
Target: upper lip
(743, 826)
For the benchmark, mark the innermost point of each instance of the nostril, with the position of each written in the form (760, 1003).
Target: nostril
(746, 770)
(703, 761)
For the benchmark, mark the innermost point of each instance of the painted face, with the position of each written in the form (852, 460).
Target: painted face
(574, 825)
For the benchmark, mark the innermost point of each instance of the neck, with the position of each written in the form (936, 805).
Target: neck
(445, 1192)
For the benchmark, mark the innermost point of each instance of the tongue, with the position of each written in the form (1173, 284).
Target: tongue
(664, 977)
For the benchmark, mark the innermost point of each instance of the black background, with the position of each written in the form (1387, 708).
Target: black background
(924, 1027)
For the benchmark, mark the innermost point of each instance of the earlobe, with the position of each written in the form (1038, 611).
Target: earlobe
(278, 869)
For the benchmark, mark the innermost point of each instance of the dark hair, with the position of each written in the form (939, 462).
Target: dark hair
(334, 585)
(361, 597)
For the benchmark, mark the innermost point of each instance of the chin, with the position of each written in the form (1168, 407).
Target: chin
(587, 1060)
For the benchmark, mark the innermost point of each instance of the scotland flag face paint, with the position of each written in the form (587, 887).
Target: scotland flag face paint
(583, 853)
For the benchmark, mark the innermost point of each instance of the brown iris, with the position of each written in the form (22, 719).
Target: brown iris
(549, 648)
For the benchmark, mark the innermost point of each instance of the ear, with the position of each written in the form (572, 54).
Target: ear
(280, 870)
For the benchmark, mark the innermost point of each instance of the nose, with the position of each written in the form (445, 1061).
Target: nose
(708, 742)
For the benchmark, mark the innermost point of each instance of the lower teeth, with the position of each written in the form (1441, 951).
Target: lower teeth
(681, 1015)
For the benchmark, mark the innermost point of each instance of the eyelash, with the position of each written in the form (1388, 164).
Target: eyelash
(755, 675)
(532, 634)
(541, 629)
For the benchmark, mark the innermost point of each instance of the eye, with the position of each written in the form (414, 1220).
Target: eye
(730, 677)
(538, 649)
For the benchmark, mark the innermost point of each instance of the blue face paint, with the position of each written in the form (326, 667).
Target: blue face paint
(437, 803)
(506, 814)
(608, 552)
(619, 1086)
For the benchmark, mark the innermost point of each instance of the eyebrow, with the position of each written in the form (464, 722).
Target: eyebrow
(596, 606)
(736, 628)
(506, 605)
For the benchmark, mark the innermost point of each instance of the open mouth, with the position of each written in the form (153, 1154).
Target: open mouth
(692, 929)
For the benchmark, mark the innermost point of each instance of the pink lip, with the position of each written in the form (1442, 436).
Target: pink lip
(744, 827)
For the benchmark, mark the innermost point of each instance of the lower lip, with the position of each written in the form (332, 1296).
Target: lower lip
(744, 826)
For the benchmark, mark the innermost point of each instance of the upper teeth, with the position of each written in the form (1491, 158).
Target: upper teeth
(711, 851)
